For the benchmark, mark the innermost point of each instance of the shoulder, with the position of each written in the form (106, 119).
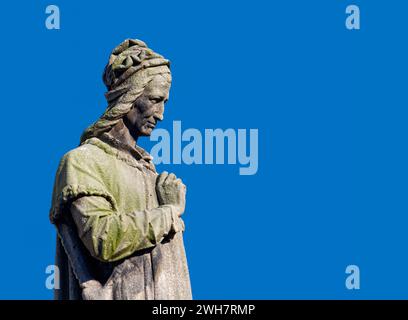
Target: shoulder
(85, 160)
(85, 154)
(86, 166)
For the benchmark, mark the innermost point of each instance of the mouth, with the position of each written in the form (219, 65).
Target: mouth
(150, 125)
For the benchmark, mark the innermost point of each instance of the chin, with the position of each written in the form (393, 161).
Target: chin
(146, 132)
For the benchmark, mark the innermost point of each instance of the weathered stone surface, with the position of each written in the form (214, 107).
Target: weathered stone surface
(120, 232)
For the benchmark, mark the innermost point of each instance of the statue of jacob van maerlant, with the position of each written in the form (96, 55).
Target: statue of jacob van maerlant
(120, 235)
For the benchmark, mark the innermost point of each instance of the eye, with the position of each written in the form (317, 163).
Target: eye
(155, 99)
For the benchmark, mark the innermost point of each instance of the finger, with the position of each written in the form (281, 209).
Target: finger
(182, 186)
(171, 177)
(180, 183)
(162, 177)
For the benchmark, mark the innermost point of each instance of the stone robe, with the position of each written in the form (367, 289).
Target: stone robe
(111, 227)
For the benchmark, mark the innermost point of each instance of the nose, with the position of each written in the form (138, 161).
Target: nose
(158, 114)
(158, 117)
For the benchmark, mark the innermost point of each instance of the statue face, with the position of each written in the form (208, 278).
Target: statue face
(148, 108)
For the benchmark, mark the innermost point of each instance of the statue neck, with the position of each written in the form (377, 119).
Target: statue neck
(121, 133)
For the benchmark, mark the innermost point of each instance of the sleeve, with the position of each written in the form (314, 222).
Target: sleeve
(111, 236)
(78, 175)
(107, 233)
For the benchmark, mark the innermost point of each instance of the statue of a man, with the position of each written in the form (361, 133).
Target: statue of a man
(118, 221)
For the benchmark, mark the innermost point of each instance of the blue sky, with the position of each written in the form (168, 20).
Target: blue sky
(329, 105)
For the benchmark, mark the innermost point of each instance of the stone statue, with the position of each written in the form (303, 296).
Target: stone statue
(118, 221)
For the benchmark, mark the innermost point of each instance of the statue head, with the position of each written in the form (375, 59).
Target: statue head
(148, 108)
(138, 82)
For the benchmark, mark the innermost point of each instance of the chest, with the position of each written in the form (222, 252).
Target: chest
(134, 188)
